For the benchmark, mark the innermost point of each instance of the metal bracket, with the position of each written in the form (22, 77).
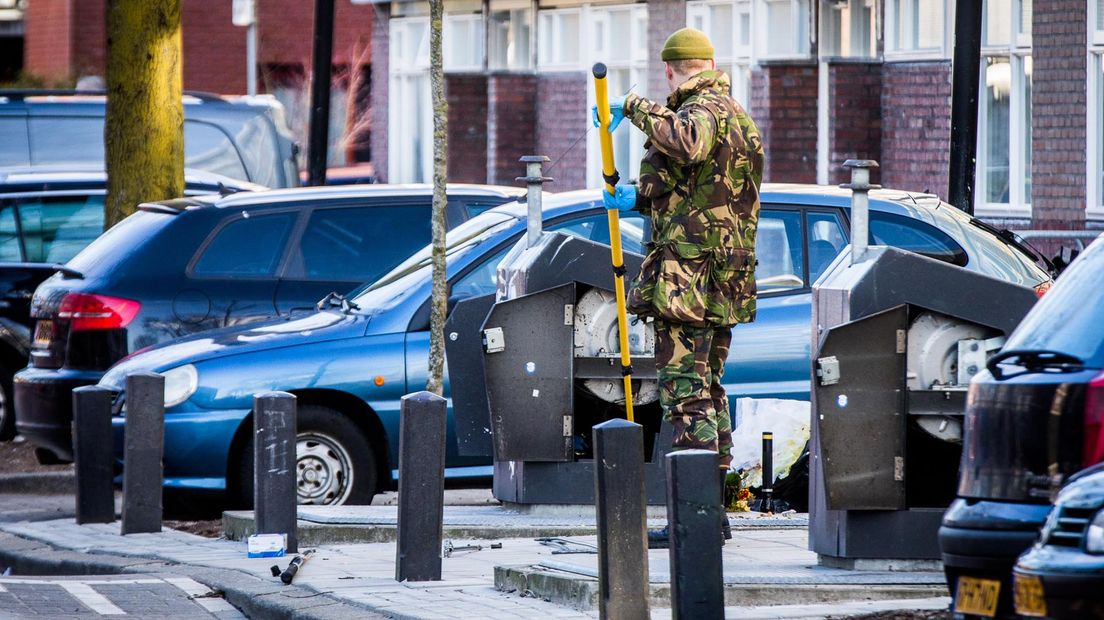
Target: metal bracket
(569, 314)
(828, 370)
(494, 341)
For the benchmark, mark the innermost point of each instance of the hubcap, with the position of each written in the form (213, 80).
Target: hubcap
(324, 469)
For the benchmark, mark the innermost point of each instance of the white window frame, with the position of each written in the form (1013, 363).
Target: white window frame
(1018, 205)
(1096, 37)
(479, 40)
(404, 74)
(893, 49)
(801, 47)
(545, 63)
(738, 60)
(1094, 156)
(530, 53)
(830, 39)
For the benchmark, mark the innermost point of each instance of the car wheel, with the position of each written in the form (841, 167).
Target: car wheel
(335, 462)
(7, 406)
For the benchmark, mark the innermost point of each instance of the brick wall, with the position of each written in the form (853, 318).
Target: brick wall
(48, 40)
(562, 109)
(511, 124)
(286, 29)
(380, 86)
(784, 100)
(664, 17)
(1058, 178)
(855, 110)
(467, 127)
(916, 125)
(214, 49)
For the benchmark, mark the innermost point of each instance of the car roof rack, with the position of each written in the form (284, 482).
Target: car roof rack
(19, 94)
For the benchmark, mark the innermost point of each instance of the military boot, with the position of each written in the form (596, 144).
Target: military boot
(726, 528)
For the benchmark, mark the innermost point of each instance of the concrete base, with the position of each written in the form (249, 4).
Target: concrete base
(876, 564)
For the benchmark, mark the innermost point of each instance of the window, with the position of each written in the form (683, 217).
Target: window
(917, 28)
(1096, 109)
(849, 28)
(728, 25)
(596, 229)
(480, 281)
(409, 113)
(9, 237)
(55, 229)
(462, 42)
(250, 246)
(560, 40)
(510, 35)
(915, 236)
(826, 241)
(1004, 118)
(780, 252)
(359, 244)
(783, 28)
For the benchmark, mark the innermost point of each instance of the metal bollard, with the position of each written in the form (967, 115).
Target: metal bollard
(92, 454)
(422, 424)
(275, 500)
(144, 443)
(694, 524)
(768, 472)
(621, 506)
(534, 180)
(860, 205)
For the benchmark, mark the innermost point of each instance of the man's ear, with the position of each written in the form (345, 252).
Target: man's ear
(712, 64)
(668, 71)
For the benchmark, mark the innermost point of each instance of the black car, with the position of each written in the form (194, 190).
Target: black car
(47, 215)
(1062, 576)
(244, 138)
(183, 266)
(1033, 418)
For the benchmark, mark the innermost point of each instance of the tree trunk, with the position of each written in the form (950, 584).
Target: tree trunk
(144, 124)
(439, 303)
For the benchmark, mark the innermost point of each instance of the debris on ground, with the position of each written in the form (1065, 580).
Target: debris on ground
(211, 528)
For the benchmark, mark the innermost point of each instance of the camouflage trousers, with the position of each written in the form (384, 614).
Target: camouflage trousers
(690, 363)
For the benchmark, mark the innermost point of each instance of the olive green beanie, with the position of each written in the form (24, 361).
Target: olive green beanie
(687, 44)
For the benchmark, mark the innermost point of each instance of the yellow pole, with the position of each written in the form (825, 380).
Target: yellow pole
(609, 171)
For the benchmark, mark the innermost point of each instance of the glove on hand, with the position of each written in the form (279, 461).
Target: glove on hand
(617, 113)
(623, 198)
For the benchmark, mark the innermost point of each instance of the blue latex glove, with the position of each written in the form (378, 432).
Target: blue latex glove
(623, 198)
(617, 113)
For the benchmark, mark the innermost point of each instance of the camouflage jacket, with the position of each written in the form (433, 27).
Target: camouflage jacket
(699, 182)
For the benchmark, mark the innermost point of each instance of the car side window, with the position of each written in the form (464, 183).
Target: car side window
(249, 246)
(55, 229)
(826, 241)
(481, 280)
(9, 237)
(596, 228)
(915, 236)
(780, 251)
(360, 244)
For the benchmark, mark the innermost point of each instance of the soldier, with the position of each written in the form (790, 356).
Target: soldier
(699, 182)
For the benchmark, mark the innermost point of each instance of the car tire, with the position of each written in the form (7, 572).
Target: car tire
(335, 464)
(7, 405)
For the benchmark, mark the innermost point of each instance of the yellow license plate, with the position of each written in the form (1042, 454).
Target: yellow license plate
(1028, 594)
(977, 596)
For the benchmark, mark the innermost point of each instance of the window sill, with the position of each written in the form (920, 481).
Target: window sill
(1002, 210)
(917, 56)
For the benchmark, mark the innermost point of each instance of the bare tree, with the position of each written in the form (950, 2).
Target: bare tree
(144, 124)
(439, 303)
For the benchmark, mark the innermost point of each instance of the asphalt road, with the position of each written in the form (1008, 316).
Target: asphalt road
(139, 596)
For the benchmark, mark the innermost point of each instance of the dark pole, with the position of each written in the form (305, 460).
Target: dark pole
(321, 76)
(92, 455)
(274, 466)
(423, 423)
(694, 524)
(144, 445)
(768, 472)
(966, 76)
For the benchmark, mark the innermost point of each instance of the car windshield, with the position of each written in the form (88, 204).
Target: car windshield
(389, 289)
(1067, 318)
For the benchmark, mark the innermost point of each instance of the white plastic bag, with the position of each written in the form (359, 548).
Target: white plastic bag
(789, 420)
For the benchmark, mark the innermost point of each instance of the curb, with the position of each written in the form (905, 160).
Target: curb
(39, 483)
(581, 592)
(254, 597)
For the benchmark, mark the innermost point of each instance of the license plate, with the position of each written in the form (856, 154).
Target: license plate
(977, 596)
(44, 332)
(1028, 593)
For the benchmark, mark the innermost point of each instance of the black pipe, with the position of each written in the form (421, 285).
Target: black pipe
(966, 76)
(321, 76)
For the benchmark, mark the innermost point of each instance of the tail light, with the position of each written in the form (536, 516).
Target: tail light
(86, 311)
(1093, 451)
(1042, 287)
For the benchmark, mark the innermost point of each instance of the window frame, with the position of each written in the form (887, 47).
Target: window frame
(545, 62)
(530, 54)
(1094, 170)
(893, 50)
(738, 60)
(295, 231)
(833, 40)
(803, 10)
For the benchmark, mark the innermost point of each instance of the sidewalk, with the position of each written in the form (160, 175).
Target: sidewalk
(353, 580)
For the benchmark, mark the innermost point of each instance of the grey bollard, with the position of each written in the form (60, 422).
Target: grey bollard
(622, 512)
(93, 456)
(144, 443)
(422, 424)
(768, 472)
(275, 497)
(694, 522)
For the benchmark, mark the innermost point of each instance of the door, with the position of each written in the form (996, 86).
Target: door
(341, 248)
(232, 278)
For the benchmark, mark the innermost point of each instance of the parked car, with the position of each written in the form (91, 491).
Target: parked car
(1033, 418)
(349, 366)
(182, 266)
(245, 138)
(1062, 576)
(47, 215)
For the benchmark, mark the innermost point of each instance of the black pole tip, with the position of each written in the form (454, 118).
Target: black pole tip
(599, 70)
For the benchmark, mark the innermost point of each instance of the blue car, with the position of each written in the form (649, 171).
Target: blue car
(350, 365)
